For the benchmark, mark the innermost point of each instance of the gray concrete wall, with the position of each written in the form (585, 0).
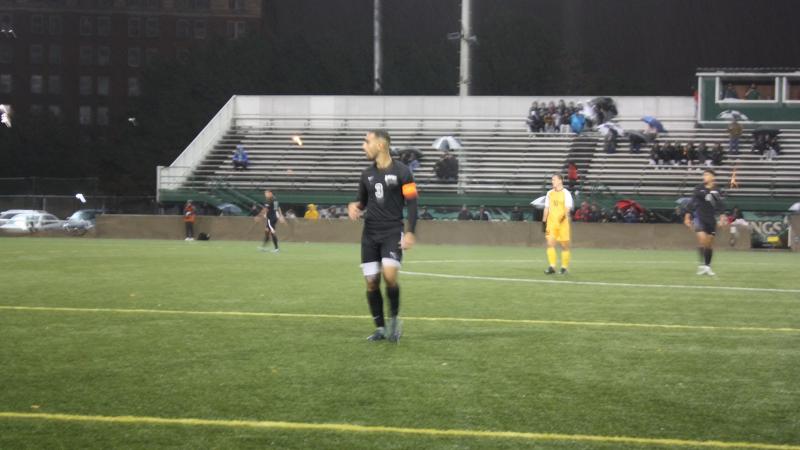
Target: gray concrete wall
(529, 234)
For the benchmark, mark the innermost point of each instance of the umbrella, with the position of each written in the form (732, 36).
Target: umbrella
(732, 114)
(229, 209)
(655, 123)
(766, 131)
(588, 111)
(607, 127)
(795, 207)
(605, 104)
(683, 201)
(626, 204)
(401, 152)
(447, 143)
(539, 202)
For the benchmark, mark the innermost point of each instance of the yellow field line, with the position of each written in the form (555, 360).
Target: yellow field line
(349, 428)
(412, 318)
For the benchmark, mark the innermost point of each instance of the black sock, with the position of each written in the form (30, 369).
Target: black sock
(375, 302)
(707, 256)
(394, 299)
(275, 241)
(702, 252)
(266, 239)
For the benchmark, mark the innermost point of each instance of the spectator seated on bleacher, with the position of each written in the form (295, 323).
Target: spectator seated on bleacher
(517, 215)
(717, 155)
(655, 154)
(553, 118)
(311, 212)
(425, 215)
(464, 214)
(582, 214)
(446, 168)
(703, 154)
(240, 159)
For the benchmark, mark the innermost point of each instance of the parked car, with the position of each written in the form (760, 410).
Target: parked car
(5, 216)
(30, 222)
(82, 220)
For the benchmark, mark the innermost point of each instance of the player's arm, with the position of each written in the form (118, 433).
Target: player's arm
(568, 205)
(354, 208)
(410, 194)
(546, 212)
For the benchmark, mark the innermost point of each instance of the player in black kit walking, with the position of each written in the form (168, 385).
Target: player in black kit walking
(269, 212)
(706, 201)
(385, 188)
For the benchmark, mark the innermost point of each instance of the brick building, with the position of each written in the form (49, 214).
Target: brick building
(82, 60)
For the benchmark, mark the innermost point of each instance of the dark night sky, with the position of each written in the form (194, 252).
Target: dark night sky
(633, 47)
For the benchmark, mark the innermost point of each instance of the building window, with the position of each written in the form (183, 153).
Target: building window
(103, 55)
(236, 29)
(151, 27)
(134, 90)
(54, 110)
(150, 56)
(37, 54)
(200, 29)
(37, 24)
(183, 55)
(85, 85)
(134, 57)
(54, 84)
(54, 55)
(103, 86)
(134, 27)
(86, 28)
(102, 115)
(37, 84)
(85, 115)
(6, 54)
(6, 85)
(183, 29)
(86, 55)
(104, 26)
(55, 25)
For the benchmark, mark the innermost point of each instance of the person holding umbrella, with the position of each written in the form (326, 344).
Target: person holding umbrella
(705, 202)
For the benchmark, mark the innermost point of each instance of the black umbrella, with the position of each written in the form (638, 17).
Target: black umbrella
(637, 138)
(761, 131)
(403, 152)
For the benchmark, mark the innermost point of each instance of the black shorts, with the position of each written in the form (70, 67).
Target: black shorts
(270, 225)
(380, 247)
(705, 226)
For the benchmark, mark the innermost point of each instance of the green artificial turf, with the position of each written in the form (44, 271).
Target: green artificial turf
(558, 375)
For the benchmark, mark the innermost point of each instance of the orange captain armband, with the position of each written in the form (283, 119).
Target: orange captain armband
(410, 190)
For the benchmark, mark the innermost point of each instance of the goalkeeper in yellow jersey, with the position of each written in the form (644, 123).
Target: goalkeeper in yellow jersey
(556, 222)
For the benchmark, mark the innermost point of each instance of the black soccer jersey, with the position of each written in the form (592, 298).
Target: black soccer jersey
(705, 203)
(271, 206)
(382, 191)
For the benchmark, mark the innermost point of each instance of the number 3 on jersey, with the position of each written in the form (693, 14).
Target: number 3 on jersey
(378, 190)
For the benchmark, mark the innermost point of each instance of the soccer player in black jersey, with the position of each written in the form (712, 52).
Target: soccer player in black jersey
(269, 212)
(700, 217)
(384, 189)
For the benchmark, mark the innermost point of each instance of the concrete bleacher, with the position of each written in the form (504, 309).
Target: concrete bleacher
(629, 173)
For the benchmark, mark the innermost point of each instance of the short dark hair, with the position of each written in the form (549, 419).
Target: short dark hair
(382, 134)
(711, 171)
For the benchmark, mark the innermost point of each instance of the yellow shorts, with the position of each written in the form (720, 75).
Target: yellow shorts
(560, 232)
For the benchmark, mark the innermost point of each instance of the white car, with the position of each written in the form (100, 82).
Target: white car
(29, 222)
(5, 216)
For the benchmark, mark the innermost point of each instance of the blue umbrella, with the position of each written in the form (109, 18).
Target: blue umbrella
(655, 123)
(577, 122)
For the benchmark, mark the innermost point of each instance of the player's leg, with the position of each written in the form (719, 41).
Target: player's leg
(391, 258)
(371, 268)
(704, 242)
(551, 251)
(565, 256)
(271, 225)
(266, 239)
(709, 251)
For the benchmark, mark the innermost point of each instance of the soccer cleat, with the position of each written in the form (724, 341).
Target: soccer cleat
(701, 269)
(276, 250)
(377, 335)
(709, 272)
(563, 271)
(550, 270)
(395, 329)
